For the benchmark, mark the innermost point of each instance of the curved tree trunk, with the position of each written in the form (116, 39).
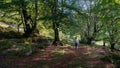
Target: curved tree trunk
(29, 24)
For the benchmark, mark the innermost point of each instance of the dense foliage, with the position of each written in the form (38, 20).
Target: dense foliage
(91, 20)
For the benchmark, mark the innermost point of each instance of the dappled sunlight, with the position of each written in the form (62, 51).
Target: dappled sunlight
(87, 53)
(58, 52)
(41, 58)
(36, 59)
(93, 61)
(59, 33)
(63, 57)
(88, 50)
(117, 1)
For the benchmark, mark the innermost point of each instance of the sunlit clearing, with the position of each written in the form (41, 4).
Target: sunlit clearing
(99, 43)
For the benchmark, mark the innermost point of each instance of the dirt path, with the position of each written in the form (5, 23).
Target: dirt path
(61, 57)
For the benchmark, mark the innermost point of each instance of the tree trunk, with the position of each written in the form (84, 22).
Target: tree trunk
(36, 15)
(28, 23)
(112, 46)
(27, 26)
(55, 23)
(56, 33)
(104, 43)
(89, 40)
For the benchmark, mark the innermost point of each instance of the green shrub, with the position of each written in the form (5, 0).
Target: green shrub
(107, 58)
(75, 64)
(118, 64)
(116, 57)
(40, 46)
(5, 44)
(113, 58)
(22, 49)
(24, 40)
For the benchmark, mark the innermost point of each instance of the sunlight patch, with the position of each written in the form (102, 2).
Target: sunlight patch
(117, 1)
(58, 52)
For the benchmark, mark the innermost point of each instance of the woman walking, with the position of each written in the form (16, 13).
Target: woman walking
(76, 43)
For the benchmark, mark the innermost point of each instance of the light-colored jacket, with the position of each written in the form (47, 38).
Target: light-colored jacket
(77, 41)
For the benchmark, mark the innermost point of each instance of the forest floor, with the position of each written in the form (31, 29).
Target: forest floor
(61, 57)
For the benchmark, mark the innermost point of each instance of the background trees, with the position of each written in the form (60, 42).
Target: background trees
(21, 11)
(90, 19)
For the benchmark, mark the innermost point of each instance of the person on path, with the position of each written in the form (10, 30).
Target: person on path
(76, 43)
